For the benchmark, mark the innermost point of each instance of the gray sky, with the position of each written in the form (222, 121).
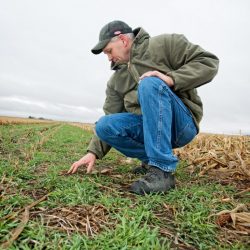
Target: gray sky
(47, 69)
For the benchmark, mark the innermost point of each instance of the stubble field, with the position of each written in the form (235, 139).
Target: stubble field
(41, 207)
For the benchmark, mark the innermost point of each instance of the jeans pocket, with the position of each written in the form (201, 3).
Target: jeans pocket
(186, 135)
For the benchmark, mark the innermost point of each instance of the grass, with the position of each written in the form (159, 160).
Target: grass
(95, 211)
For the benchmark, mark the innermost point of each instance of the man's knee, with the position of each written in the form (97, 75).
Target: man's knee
(102, 126)
(148, 84)
(108, 126)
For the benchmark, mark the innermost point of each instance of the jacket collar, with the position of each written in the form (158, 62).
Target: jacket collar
(140, 35)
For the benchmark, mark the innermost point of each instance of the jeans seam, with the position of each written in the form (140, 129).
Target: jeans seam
(159, 127)
(180, 135)
(177, 99)
(177, 140)
(163, 166)
(136, 142)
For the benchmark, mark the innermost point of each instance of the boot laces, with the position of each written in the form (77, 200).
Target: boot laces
(151, 175)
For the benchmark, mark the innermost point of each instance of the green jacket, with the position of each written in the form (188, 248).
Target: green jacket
(189, 65)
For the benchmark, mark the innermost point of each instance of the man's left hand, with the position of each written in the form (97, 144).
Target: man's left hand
(167, 79)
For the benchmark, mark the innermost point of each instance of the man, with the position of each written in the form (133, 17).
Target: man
(151, 102)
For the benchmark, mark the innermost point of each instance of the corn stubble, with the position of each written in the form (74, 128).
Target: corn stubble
(226, 159)
(220, 156)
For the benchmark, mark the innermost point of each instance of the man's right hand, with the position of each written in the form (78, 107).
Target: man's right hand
(88, 160)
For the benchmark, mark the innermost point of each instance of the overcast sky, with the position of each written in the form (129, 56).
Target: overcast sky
(47, 69)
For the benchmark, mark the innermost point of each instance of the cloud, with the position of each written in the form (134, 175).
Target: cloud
(22, 101)
(19, 105)
(47, 68)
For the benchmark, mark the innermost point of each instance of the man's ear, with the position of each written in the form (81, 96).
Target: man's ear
(124, 39)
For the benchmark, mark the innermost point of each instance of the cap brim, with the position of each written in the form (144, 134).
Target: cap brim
(100, 46)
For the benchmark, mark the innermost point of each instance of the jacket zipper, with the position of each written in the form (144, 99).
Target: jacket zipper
(131, 72)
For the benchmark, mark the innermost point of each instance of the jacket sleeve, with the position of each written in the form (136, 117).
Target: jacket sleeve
(98, 147)
(113, 104)
(192, 65)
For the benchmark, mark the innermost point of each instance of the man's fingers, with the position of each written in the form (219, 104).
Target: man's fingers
(70, 170)
(147, 74)
(143, 76)
(73, 168)
(89, 168)
(88, 160)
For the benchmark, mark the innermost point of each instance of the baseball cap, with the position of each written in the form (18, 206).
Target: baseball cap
(109, 31)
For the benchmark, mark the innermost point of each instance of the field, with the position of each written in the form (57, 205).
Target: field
(41, 207)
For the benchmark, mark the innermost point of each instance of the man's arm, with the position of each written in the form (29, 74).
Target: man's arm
(192, 65)
(97, 149)
(113, 104)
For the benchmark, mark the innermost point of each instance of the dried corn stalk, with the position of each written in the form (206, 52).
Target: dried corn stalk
(237, 218)
(218, 155)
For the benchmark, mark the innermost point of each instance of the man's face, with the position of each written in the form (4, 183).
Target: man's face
(117, 50)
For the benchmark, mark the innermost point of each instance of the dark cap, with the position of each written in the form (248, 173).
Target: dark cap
(109, 31)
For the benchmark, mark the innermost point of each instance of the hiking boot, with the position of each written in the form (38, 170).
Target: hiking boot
(155, 181)
(143, 169)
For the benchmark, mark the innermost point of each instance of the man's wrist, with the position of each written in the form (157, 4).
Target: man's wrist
(91, 152)
(169, 80)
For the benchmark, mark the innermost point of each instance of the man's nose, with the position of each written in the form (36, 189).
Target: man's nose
(110, 58)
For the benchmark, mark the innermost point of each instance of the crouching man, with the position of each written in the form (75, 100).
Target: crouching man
(151, 105)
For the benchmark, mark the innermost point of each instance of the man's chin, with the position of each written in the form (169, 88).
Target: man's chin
(112, 64)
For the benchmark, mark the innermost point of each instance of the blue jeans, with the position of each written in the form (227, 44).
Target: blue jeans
(165, 123)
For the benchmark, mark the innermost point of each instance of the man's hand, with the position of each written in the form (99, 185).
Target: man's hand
(167, 79)
(88, 160)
